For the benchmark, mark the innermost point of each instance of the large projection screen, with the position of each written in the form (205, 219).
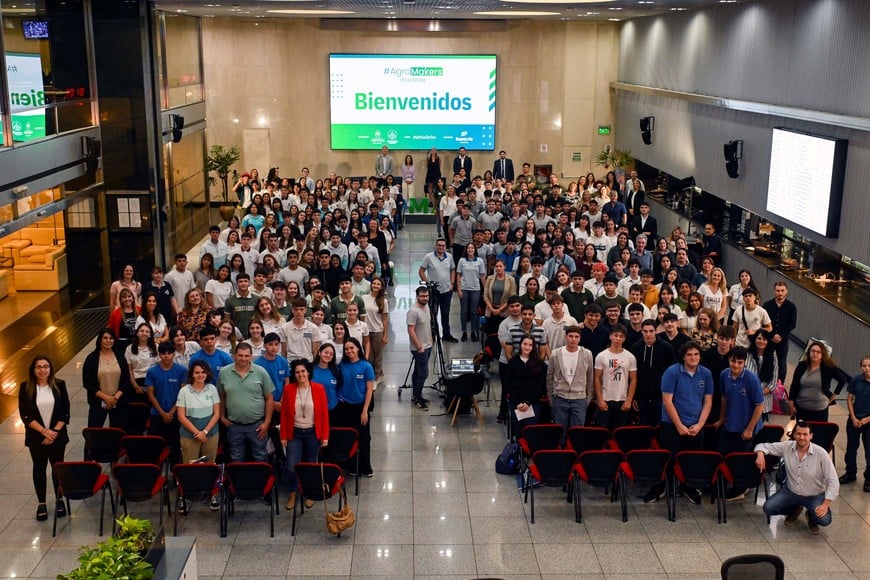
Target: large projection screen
(412, 101)
(807, 173)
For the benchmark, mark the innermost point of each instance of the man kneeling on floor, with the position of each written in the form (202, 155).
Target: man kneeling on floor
(811, 480)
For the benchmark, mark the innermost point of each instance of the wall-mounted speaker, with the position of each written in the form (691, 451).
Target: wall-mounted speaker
(733, 151)
(177, 127)
(647, 126)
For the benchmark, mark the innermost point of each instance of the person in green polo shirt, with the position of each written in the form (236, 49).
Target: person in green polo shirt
(246, 405)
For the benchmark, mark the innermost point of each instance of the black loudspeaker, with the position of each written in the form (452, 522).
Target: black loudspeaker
(647, 126)
(92, 149)
(733, 151)
(177, 127)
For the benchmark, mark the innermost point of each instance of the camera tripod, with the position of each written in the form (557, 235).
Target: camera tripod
(439, 365)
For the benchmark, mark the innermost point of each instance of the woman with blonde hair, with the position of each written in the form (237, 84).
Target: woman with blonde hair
(191, 319)
(378, 322)
(715, 293)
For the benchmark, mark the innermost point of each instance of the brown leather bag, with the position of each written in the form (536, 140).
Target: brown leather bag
(344, 518)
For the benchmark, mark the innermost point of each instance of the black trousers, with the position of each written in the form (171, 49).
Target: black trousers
(42, 456)
(348, 415)
(170, 433)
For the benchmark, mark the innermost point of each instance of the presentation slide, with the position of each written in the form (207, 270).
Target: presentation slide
(806, 179)
(412, 101)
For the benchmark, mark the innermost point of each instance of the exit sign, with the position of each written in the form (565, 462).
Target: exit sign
(604, 129)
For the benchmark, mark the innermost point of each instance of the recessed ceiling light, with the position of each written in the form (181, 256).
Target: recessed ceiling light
(312, 12)
(645, 2)
(593, 13)
(516, 13)
(180, 11)
(678, 9)
(615, 9)
(615, 19)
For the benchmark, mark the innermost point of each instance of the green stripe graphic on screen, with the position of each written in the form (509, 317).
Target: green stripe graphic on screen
(492, 90)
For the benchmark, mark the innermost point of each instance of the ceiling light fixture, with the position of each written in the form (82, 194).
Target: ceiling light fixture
(312, 12)
(516, 13)
(575, 2)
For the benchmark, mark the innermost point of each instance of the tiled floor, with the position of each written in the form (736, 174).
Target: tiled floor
(435, 507)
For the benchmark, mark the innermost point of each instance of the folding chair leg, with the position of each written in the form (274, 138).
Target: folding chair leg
(477, 410)
(454, 402)
(724, 506)
(575, 491)
(293, 524)
(356, 491)
(222, 513)
(533, 504)
(275, 493)
(111, 505)
(54, 524)
(623, 497)
(271, 519)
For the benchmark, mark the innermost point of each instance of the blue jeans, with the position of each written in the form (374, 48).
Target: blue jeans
(421, 371)
(239, 437)
(441, 301)
(784, 502)
(303, 447)
(468, 309)
(568, 412)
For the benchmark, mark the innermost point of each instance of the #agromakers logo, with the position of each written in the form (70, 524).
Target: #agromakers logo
(435, 102)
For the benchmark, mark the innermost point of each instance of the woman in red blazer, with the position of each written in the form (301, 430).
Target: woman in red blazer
(304, 422)
(43, 404)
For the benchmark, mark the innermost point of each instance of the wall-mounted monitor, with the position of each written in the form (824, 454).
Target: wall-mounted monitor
(807, 173)
(34, 29)
(412, 101)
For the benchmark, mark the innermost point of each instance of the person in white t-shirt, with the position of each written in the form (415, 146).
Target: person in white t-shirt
(615, 382)
(750, 318)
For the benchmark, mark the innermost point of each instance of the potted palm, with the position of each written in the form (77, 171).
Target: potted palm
(219, 160)
(612, 158)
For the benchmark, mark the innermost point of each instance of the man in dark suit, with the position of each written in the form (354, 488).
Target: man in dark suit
(503, 168)
(644, 223)
(462, 161)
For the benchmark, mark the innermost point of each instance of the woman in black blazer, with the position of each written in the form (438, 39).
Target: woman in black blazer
(43, 404)
(106, 379)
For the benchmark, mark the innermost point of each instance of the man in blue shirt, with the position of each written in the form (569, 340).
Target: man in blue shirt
(278, 370)
(740, 413)
(687, 396)
(163, 381)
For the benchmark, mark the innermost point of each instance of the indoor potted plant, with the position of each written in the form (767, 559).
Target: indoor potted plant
(220, 159)
(123, 556)
(612, 158)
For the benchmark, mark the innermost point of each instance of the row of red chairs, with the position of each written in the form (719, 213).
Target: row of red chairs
(610, 468)
(606, 459)
(139, 465)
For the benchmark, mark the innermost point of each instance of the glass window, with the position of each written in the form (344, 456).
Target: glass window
(46, 68)
(187, 195)
(182, 82)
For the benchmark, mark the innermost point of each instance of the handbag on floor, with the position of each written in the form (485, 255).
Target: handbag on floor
(344, 518)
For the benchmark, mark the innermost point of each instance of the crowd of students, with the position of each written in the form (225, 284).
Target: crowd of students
(591, 307)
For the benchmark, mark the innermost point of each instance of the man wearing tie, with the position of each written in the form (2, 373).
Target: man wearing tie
(462, 161)
(503, 168)
(383, 165)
